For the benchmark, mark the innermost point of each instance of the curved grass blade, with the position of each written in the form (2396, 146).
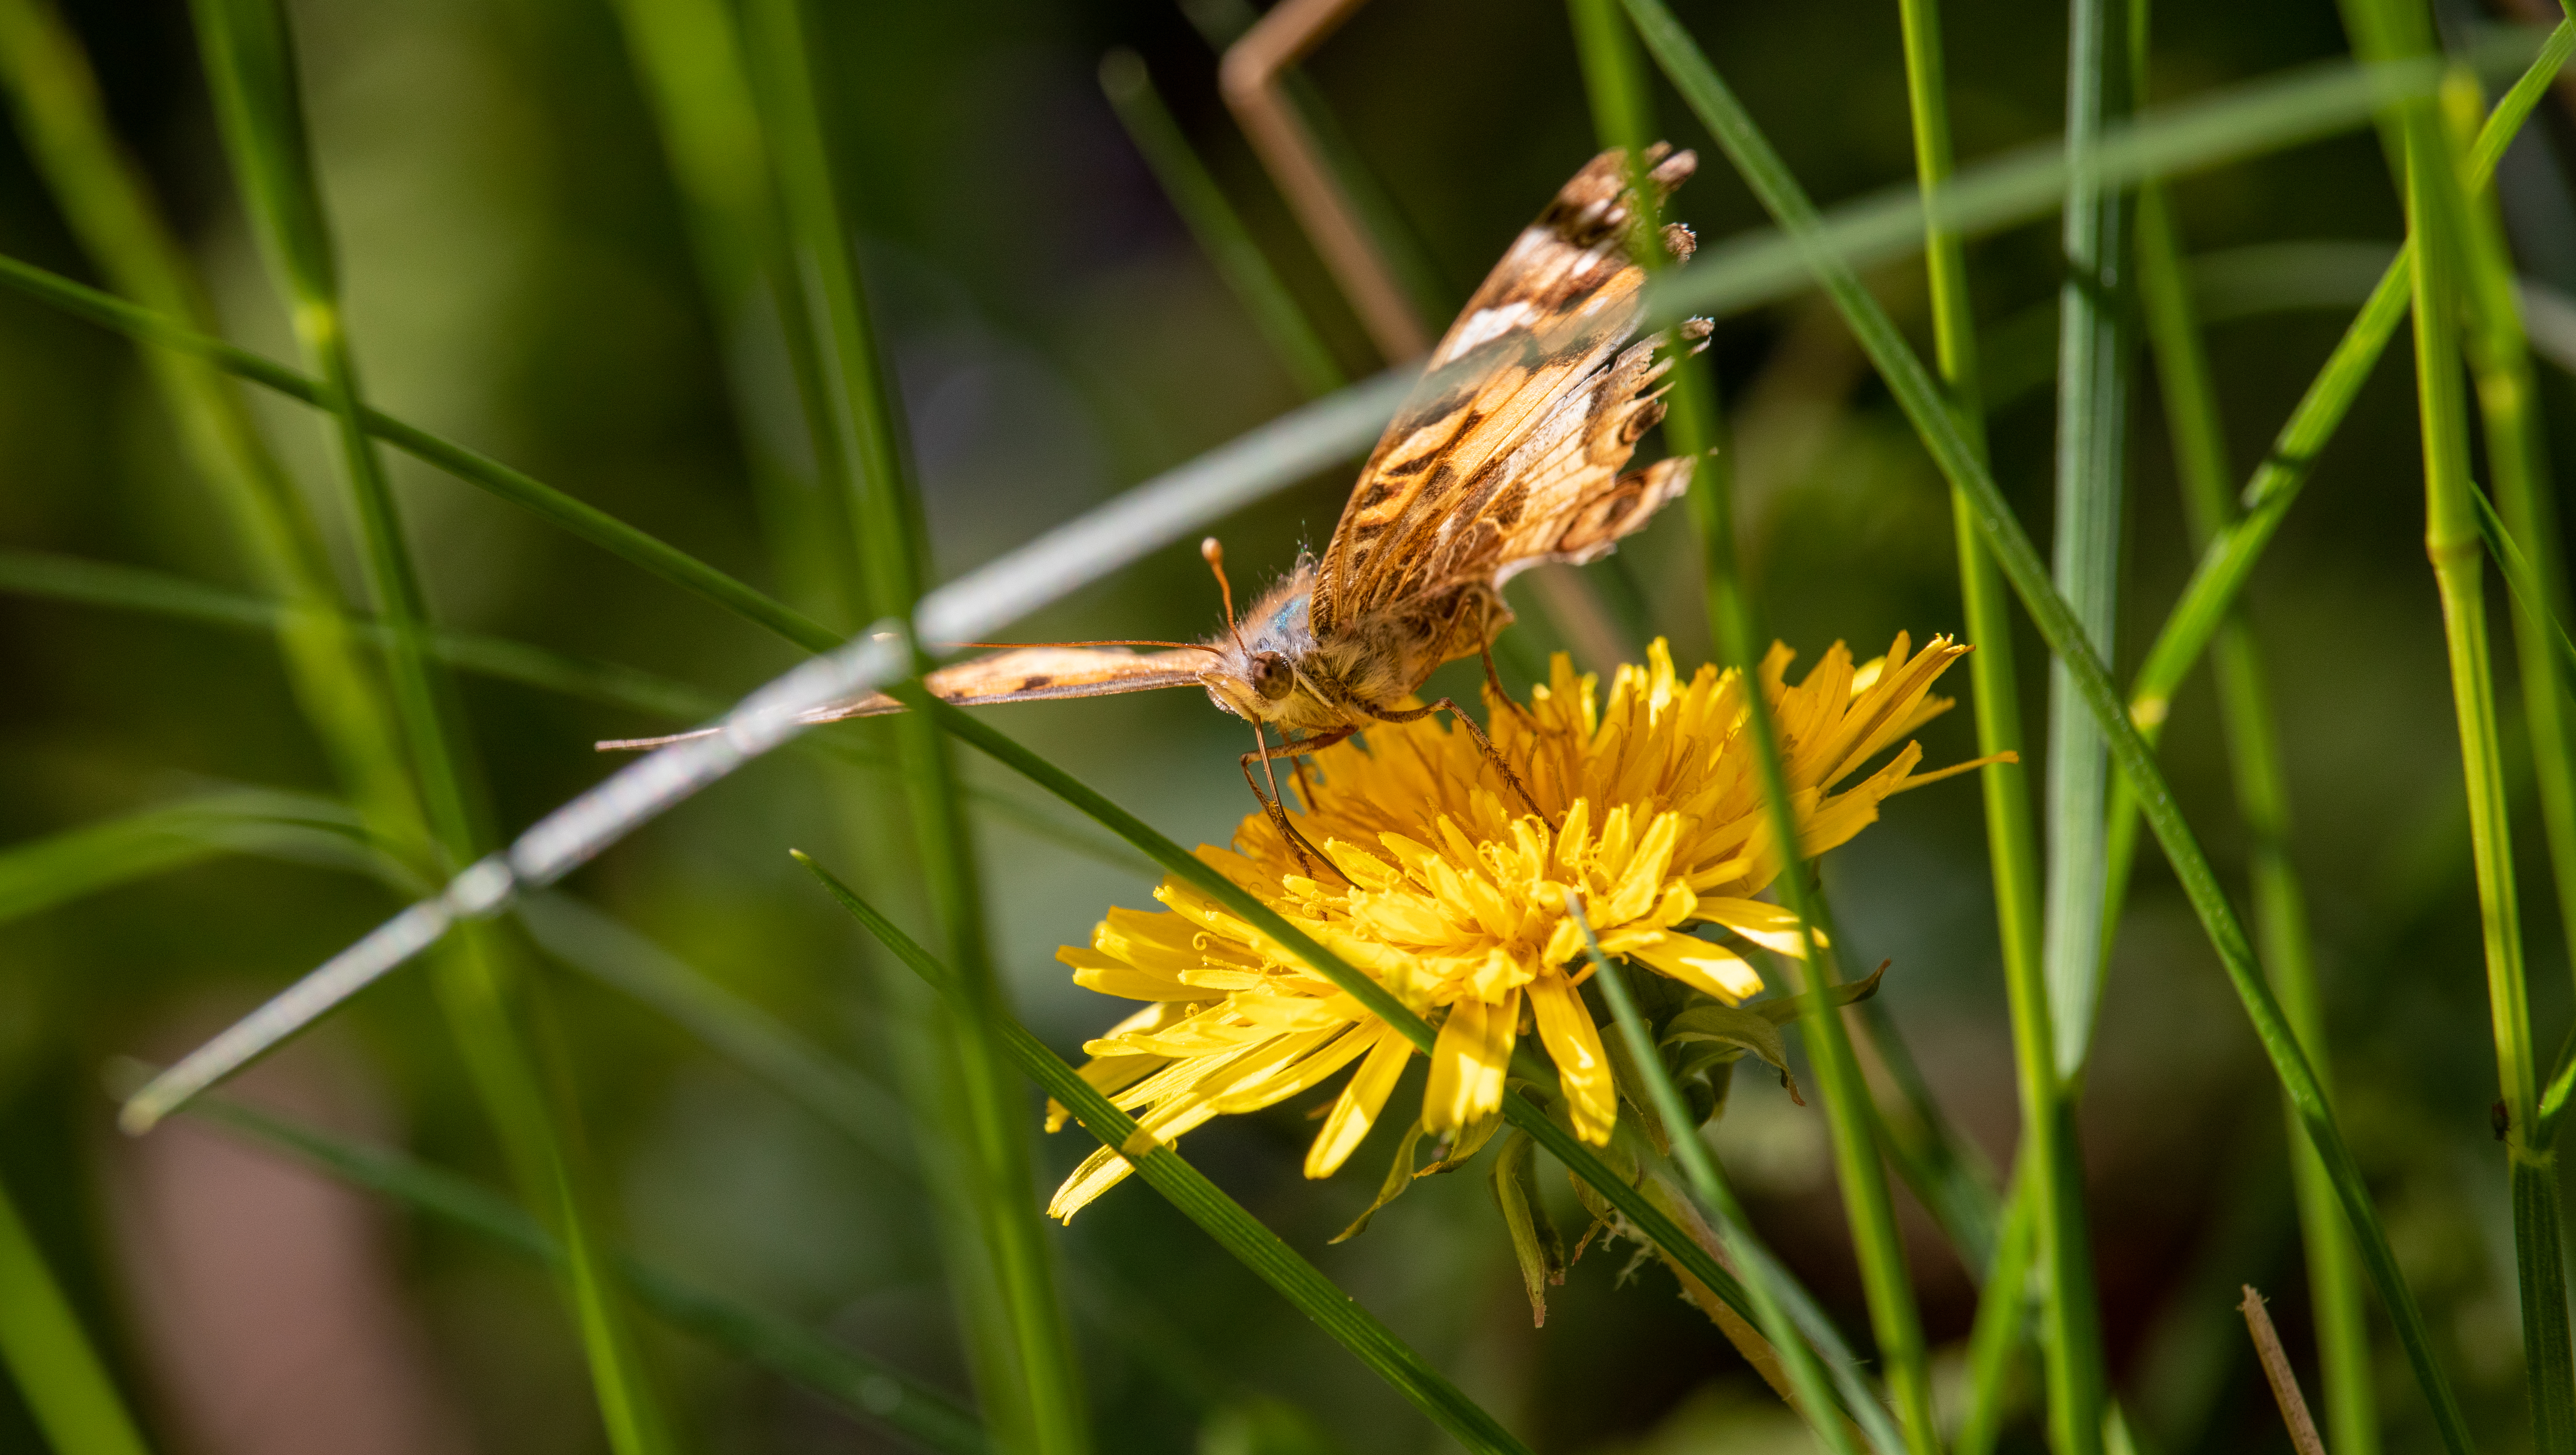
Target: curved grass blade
(586, 521)
(43, 1346)
(1936, 422)
(878, 1393)
(1224, 1219)
(42, 873)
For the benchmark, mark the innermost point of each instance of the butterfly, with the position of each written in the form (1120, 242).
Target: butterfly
(1506, 455)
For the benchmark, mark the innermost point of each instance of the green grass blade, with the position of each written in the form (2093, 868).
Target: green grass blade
(103, 195)
(2049, 1194)
(1198, 1199)
(1936, 423)
(1219, 230)
(43, 1346)
(585, 521)
(1000, 1261)
(877, 1393)
(1716, 1198)
(2508, 399)
(1653, 1222)
(2198, 433)
(159, 593)
(42, 873)
(250, 69)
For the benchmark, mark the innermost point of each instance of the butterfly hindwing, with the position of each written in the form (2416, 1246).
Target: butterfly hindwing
(1508, 453)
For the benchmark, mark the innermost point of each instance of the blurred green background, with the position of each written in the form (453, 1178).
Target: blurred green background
(521, 278)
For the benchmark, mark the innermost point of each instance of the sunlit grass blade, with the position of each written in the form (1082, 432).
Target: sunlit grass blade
(1651, 1221)
(2508, 403)
(61, 1380)
(250, 69)
(41, 873)
(585, 521)
(875, 1392)
(2197, 430)
(1198, 1199)
(1212, 220)
(1000, 1265)
(1936, 423)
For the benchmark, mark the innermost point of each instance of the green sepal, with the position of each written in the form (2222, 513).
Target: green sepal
(1536, 1244)
(1399, 1176)
(1707, 1037)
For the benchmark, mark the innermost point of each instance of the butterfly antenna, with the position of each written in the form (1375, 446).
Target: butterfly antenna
(1213, 552)
(1107, 642)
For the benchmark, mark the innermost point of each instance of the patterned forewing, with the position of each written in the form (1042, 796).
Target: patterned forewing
(1529, 410)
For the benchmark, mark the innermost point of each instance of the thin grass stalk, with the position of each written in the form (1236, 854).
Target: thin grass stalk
(1717, 1200)
(874, 1391)
(1695, 429)
(1163, 1169)
(2508, 401)
(2199, 445)
(64, 1384)
(1935, 422)
(1650, 1220)
(2047, 1213)
(251, 71)
(1218, 229)
(1025, 1364)
(103, 195)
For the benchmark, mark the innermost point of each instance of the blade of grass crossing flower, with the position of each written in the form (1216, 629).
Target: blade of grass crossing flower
(1716, 1198)
(1695, 429)
(1657, 1226)
(999, 1260)
(1213, 221)
(877, 1393)
(250, 70)
(1236, 1230)
(2508, 398)
(2255, 762)
(2048, 1190)
(1935, 422)
(60, 1377)
(63, 124)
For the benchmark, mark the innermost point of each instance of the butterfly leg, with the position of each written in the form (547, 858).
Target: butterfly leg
(1298, 844)
(1494, 680)
(1450, 706)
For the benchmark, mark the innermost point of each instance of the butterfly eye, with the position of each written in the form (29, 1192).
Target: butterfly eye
(1272, 677)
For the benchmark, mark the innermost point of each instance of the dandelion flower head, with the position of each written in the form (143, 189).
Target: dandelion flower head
(1451, 894)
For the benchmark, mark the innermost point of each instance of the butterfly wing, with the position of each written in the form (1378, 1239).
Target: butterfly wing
(1022, 674)
(1508, 452)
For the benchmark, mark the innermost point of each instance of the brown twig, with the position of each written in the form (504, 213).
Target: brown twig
(2285, 1382)
(1250, 77)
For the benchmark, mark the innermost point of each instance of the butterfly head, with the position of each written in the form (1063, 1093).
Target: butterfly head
(1253, 671)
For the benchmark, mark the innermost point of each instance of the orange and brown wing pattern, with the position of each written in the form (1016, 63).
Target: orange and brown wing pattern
(1022, 674)
(1508, 453)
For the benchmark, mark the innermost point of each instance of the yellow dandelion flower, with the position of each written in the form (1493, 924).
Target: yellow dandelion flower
(1451, 894)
